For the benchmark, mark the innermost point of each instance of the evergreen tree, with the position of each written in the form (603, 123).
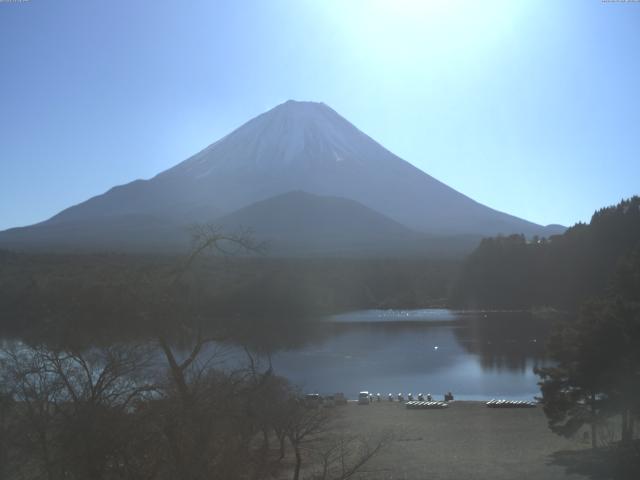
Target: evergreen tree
(563, 271)
(597, 374)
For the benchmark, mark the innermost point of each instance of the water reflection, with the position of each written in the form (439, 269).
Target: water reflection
(511, 341)
(475, 355)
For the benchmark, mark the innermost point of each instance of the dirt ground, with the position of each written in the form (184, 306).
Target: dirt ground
(465, 441)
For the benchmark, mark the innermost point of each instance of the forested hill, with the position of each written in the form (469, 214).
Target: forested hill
(562, 271)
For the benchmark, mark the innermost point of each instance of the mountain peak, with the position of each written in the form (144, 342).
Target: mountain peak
(316, 114)
(292, 134)
(301, 104)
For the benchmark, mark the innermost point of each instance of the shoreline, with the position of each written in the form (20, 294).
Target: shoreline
(465, 440)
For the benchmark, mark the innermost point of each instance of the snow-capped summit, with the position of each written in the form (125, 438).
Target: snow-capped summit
(291, 134)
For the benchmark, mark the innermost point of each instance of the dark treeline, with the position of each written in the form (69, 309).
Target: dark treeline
(562, 271)
(126, 293)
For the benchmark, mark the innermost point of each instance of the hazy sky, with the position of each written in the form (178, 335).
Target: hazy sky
(532, 108)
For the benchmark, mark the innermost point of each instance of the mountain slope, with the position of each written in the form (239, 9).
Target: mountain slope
(299, 221)
(292, 224)
(296, 146)
(126, 232)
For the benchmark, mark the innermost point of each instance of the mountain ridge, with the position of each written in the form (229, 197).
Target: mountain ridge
(298, 146)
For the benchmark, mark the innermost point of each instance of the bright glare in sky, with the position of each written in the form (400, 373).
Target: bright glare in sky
(400, 32)
(529, 107)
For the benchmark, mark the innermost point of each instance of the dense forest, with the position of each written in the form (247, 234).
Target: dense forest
(561, 272)
(129, 293)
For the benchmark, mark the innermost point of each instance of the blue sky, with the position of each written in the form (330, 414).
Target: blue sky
(532, 108)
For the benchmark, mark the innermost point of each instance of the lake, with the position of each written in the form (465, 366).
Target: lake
(475, 355)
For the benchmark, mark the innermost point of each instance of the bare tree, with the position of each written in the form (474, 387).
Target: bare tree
(304, 425)
(6, 409)
(342, 456)
(197, 395)
(25, 378)
(205, 239)
(72, 416)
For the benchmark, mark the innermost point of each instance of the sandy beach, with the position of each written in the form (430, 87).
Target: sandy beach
(465, 441)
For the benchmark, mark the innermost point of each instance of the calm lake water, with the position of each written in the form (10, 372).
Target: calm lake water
(475, 355)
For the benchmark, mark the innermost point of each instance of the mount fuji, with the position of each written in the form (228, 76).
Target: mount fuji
(339, 175)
